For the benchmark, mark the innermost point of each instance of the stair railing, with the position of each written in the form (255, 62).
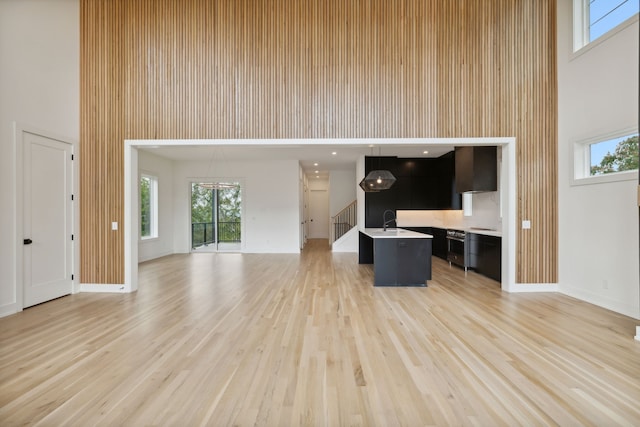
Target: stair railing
(344, 221)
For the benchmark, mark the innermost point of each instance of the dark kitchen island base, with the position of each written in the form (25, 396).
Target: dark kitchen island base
(402, 260)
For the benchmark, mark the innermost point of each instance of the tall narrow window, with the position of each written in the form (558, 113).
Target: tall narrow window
(148, 207)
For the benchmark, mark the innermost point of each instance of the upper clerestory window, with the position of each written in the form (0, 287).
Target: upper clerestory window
(606, 158)
(593, 19)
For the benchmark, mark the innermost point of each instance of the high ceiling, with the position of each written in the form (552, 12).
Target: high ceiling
(308, 155)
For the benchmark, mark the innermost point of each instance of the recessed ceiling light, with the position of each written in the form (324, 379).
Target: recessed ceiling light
(317, 176)
(315, 164)
(371, 145)
(334, 153)
(425, 152)
(317, 171)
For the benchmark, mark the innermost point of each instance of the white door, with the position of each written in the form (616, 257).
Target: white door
(319, 214)
(48, 225)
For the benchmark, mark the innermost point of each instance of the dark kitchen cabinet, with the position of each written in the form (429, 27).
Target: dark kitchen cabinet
(421, 183)
(439, 242)
(476, 168)
(448, 197)
(402, 262)
(485, 254)
(365, 249)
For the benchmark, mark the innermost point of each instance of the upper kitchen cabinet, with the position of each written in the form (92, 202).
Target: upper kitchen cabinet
(476, 168)
(448, 197)
(421, 183)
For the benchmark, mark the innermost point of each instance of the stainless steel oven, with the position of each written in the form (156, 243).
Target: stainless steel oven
(458, 248)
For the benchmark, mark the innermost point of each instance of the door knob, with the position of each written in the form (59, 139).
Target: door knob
(28, 241)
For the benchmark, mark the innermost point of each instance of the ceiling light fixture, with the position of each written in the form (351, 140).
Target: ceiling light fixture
(334, 153)
(217, 185)
(425, 152)
(377, 180)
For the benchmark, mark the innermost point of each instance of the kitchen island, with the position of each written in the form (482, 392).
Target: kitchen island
(400, 257)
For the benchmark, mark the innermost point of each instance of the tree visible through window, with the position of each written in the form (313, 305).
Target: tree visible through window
(215, 213)
(614, 155)
(148, 206)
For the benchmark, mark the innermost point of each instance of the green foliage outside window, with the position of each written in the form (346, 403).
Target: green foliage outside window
(228, 213)
(145, 206)
(624, 158)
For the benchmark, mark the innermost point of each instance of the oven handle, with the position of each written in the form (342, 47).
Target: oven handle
(455, 238)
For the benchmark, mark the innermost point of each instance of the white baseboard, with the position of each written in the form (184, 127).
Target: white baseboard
(154, 256)
(623, 307)
(9, 309)
(107, 288)
(533, 287)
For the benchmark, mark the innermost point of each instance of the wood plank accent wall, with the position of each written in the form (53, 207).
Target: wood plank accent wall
(317, 69)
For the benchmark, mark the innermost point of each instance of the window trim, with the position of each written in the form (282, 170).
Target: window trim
(581, 43)
(153, 200)
(580, 174)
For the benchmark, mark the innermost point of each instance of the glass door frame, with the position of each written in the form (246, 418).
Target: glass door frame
(215, 214)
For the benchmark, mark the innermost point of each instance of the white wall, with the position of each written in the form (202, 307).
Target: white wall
(342, 190)
(39, 88)
(598, 223)
(270, 198)
(162, 169)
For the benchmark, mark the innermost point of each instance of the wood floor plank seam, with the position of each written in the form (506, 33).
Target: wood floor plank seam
(305, 339)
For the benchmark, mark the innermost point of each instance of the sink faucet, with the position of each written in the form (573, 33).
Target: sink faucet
(385, 221)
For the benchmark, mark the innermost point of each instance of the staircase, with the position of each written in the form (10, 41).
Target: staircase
(343, 221)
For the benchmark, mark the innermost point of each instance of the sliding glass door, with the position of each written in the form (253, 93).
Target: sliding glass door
(216, 209)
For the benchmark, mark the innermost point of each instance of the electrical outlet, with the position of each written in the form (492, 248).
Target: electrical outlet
(526, 224)
(114, 225)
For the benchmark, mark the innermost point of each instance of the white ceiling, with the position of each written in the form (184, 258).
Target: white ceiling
(307, 154)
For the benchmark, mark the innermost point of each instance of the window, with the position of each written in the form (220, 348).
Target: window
(594, 18)
(613, 157)
(148, 207)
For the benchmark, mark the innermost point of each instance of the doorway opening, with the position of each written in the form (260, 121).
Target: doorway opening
(216, 217)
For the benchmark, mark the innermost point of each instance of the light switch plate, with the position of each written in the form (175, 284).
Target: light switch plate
(526, 224)
(114, 225)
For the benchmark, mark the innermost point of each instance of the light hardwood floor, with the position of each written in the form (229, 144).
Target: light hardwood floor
(288, 340)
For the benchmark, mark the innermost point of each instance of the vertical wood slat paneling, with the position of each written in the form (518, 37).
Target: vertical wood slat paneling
(317, 69)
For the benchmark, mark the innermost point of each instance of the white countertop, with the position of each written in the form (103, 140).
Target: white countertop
(483, 231)
(475, 230)
(394, 233)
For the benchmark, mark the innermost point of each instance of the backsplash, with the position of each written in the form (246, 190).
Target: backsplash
(485, 214)
(486, 211)
(429, 218)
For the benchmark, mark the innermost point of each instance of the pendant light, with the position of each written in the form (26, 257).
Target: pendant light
(377, 180)
(216, 185)
(367, 189)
